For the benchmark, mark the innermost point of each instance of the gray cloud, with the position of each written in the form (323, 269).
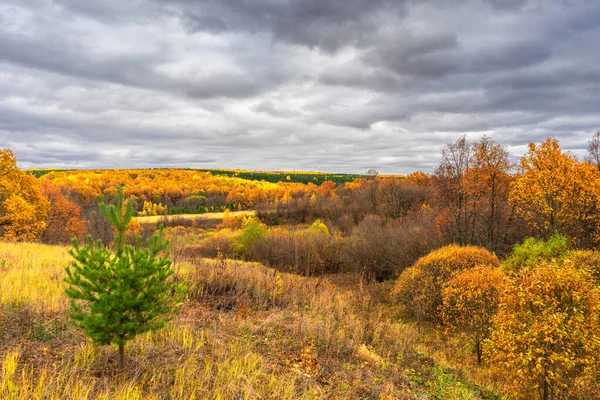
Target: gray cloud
(295, 84)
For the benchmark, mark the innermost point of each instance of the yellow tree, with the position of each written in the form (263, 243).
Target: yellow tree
(23, 208)
(544, 340)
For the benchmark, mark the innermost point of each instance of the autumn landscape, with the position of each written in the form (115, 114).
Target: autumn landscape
(478, 281)
(299, 199)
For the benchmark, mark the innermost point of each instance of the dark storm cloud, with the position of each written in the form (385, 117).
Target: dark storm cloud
(342, 85)
(327, 25)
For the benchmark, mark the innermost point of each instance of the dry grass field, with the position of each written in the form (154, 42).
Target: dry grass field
(244, 332)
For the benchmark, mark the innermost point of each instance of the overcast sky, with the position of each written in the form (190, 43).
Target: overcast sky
(336, 85)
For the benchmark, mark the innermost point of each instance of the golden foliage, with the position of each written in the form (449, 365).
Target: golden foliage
(588, 260)
(152, 209)
(419, 288)
(545, 341)
(557, 192)
(170, 186)
(23, 208)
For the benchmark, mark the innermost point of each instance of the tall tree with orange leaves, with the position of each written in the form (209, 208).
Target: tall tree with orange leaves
(451, 194)
(555, 192)
(23, 208)
(488, 184)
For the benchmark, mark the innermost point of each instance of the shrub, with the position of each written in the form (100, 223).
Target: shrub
(319, 228)
(413, 292)
(306, 252)
(534, 250)
(253, 231)
(231, 221)
(545, 335)
(381, 250)
(150, 209)
(432, 272)
(588, 260)
(222, 242)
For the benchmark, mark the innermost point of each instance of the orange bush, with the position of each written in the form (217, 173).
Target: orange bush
(430, 273)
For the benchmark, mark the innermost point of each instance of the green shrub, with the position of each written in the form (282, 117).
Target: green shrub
(253, 231)
(533, 250)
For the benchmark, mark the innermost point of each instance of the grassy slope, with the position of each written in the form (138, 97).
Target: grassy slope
(245, 331)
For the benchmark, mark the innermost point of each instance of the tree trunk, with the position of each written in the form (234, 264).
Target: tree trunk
(121, 356)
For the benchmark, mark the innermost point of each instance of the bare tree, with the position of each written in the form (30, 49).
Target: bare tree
(593, 156)
(451, 191)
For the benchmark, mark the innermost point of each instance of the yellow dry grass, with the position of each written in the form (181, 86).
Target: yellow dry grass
(152, 219)
(31, 275)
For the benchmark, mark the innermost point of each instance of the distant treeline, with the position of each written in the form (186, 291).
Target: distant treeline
(41, 172)
(280, 176)
(299, 177)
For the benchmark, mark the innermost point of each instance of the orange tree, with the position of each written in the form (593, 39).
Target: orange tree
(64, 220)
(488, 184)
(470, 299)
(419, 288)
(556, 193)
(23, 208)
(471, 187)
(545, 340)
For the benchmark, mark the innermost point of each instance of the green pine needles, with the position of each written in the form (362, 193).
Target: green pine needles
(115, 296)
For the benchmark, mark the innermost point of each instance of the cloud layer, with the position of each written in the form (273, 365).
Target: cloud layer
(340, 85)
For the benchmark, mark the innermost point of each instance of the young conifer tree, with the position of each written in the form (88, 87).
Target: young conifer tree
(116, 295)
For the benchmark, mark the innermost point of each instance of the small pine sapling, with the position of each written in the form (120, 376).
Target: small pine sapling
(116, 295)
